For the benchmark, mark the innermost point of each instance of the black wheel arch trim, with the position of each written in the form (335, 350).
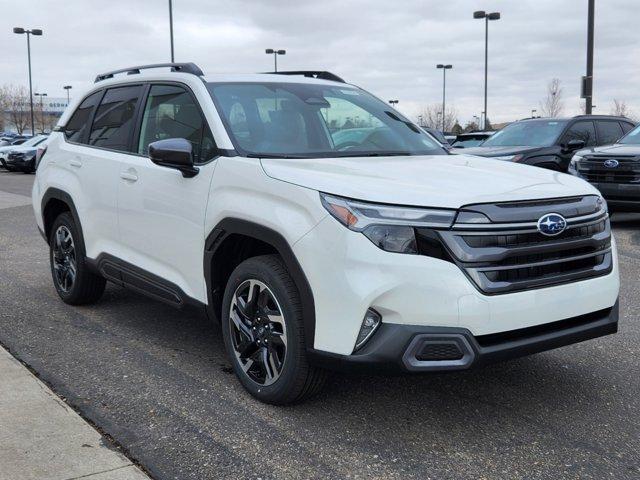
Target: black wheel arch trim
(229, 226)
(53, 193)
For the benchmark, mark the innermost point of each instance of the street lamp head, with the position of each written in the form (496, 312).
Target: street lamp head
(18, 30)
(494, 16)
(479, 14)
(269, 51)
(440, 65)
(448, 66)
(281, 52)
(67, 87)
(36, 31)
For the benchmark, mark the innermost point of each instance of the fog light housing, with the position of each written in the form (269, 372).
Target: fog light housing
(370, 324)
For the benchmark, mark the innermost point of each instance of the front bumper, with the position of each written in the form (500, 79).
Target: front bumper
(349, 274)
(396, 349)
(621, 196)
(20, 163)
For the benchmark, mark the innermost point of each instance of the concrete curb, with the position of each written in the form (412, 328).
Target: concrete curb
(43, 438)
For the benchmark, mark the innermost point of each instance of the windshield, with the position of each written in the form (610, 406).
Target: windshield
(468, 142)
(527, 134)
(311, 121)
(34, 141)
(631, 138)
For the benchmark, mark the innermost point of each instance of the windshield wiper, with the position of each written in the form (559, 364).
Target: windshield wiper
(376, 154)
(274, 155)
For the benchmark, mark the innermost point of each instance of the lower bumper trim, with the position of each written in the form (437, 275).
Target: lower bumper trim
(398, 349)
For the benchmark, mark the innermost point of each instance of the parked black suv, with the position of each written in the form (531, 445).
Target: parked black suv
(614, 170)
(551, 142)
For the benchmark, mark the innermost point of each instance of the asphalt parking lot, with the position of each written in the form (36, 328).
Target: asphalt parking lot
(156, 380)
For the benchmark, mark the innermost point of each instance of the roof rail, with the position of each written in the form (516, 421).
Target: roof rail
(175, 67)
(319, 74)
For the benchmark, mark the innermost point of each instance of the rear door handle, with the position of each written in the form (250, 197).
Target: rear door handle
(75, 163)
(129, 176)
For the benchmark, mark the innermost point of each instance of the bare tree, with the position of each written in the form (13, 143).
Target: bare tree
(15, 101)
(552, 105)
(619, 108)
(431, 116)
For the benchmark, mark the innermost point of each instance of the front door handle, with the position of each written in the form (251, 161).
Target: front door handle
(75, 163)
(129, 176)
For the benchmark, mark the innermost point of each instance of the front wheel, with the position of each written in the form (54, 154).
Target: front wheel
(264, 333)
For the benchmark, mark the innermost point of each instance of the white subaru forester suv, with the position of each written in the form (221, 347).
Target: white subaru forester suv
(322, 228)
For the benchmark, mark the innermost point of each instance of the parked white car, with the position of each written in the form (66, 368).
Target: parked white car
(377, 252)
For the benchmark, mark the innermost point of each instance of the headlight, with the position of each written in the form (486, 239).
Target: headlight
(602, 205)
(510, 158)
(389, 227)
(573, 165)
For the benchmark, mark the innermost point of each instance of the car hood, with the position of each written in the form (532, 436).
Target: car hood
(27, 151)
(609, 150)
(23, 148)
(448, 181)
(498, 151)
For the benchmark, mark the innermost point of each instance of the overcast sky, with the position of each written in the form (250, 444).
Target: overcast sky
(388, 47)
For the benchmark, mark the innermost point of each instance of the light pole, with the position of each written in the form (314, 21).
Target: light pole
(36, 32)
(67, 88)
(444, 89)
(394, 102)
(171, 28)
(589, 79)
(275, 53)
(477, 121)
(487, 16)
(533, 113)
(41, 95)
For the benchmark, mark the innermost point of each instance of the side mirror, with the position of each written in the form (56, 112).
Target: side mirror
(174, 153)
(574, 144)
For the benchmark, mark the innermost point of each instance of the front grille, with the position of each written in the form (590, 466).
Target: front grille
(535, 238)
(593, 170)
(503, 257)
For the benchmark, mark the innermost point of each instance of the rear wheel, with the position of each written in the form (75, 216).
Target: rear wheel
(74, 282)
(264, 334)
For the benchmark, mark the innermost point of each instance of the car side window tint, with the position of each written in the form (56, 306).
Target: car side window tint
(582, 130)
(608, 132)
(114, 119)
(171, 112)
(626, 127)
(77, 125)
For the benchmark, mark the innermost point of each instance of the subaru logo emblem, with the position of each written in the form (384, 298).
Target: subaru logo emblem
(552, 224)
(611, 163)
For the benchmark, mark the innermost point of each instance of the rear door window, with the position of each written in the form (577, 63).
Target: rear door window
(114, 120)
(78, 124)
(582, 130)
(608, 132)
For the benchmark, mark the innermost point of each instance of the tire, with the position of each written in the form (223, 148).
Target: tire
(296, 379)
(83, 287)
